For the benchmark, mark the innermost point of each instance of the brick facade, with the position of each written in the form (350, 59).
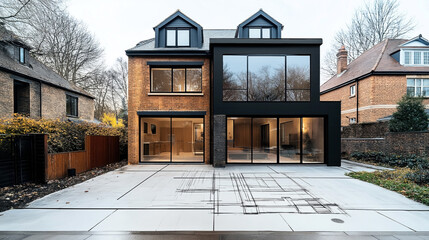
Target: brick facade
(377, 97)
(53, 100)
(140, 99)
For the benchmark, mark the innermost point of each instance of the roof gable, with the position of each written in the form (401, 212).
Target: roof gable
(259, 19)
(418, 41)
(179, 20)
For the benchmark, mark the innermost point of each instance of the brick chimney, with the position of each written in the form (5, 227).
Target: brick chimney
(341, 60)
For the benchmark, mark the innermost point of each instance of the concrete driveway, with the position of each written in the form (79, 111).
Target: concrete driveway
(298, 198)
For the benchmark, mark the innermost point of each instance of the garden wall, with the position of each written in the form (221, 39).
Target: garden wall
(392, 142)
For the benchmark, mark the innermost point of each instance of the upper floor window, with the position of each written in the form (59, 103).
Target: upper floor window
(417, 57)
(22, 55)
(178, 37)
(176, 80)
(418, 87)
(266, 78)
(71, 106)
(352, 91)
(259, 32)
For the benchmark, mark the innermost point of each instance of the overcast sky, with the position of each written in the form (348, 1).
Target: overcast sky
(120, 24)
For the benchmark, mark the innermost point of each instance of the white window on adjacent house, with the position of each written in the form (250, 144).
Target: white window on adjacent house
(418, 87)
(426, 58)
(352, 120)
(417, 57)
(21, 55)
(407, 56)
(352, 90)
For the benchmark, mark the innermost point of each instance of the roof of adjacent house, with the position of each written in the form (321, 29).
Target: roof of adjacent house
(149, 44)
(377, 59)
(33, 68)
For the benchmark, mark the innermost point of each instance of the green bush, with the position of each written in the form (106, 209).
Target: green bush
(63, 136)
(420, 176)
(410, 116)
(411, 161)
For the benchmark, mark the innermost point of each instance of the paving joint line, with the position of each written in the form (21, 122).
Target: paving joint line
(395, 221)
(102, 220)
(142, 182)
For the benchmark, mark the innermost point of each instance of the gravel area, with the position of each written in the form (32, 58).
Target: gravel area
(18, 196)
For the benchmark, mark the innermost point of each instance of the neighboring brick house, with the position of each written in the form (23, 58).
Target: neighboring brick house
(372, 84)
(30, 88)
(221, 96)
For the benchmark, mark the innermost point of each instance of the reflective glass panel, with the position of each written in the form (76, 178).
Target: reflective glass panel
(266, 79)
(239, 140)
(171, 37)
(155, 143)
(187, 139)
(161, 79)
(183, 37)
(289, 140)
(193, 80)
(265, 140)
(313, 140)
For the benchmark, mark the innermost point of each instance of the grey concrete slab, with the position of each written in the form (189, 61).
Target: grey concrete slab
(416, 220)
(51, 220)
(250, 222)
(157, 220)
(352, 221)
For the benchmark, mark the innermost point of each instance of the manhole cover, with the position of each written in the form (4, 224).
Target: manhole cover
(337, 220)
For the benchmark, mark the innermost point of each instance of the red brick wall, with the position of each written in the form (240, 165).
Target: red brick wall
(140, 99)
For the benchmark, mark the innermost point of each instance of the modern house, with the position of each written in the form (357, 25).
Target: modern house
(30, 88)
(372, 84)
(224, 96)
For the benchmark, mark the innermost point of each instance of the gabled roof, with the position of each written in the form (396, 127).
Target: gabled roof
(376, 60)
(259, 13)
(263, 14)
(178, 13)
(419, 38)
(34, 69)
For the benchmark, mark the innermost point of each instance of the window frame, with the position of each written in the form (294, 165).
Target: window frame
(261, 35)
(422, 86)
(176, 37)
(21, 57)
(352, 90)
(77, 105)
(285, 77)
(172, 79)
(423, 58)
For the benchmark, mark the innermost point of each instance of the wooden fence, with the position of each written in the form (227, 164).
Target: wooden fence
(99, 151)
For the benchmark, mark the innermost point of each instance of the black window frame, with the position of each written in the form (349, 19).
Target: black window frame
(286, 88)
(68, 96)
(172, 78)
(260, 32)
(176, 36)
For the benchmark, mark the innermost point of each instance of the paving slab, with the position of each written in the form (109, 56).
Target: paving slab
(416, 220)
(51, 220)
(157, 220)
(250, 222)
(352, 221)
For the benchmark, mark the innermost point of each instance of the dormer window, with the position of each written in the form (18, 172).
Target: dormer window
(416, 57)
(259, 32)
(178, 37)
(21, 55)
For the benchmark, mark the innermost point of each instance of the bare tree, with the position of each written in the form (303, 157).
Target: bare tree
(376, 21)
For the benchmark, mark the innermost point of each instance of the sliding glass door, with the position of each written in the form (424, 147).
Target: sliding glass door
(167, 139)
(275, 140)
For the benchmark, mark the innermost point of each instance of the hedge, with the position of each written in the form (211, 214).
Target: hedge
(63, 136)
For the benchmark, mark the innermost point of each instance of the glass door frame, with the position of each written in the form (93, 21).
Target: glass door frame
(171, 137)
(301, 144)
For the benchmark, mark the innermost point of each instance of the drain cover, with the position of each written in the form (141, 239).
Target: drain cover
(337, 220)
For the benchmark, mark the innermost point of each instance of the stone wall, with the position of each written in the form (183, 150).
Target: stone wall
(396, 143)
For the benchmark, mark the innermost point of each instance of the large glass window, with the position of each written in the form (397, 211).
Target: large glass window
(290, 140)
(264, 140)
(234, 78)
(262, 78)
(165, 80)
(298, 78)
(312, 140)
(266, 78)
(272, 140)
(239, 140)
(171, 139)
(418, 87)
